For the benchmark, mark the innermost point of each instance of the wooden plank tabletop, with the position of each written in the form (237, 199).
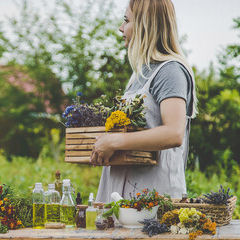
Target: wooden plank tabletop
(228, 232)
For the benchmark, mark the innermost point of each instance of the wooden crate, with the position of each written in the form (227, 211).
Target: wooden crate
(80, 141)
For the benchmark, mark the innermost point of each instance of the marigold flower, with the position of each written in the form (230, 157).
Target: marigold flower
(138, 194)
(1, 203)
(5, 199)
(151, 204)
(12, 225)
(3, 209)
(19, 222)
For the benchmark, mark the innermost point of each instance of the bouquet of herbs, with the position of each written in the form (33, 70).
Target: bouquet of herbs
(121, 113)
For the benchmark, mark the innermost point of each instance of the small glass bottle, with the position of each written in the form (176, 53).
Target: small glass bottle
(38, 206)
(58, 183)
(91, 214)
(52, 207)
(67, 207)
(100, 222)
(110, 219)
(80, 218)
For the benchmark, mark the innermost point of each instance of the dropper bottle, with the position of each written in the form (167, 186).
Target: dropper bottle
(91, 214)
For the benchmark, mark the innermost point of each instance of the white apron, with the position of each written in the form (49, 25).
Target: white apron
(167, 177)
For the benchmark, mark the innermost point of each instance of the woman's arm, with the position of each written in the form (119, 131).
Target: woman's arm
(169, 134)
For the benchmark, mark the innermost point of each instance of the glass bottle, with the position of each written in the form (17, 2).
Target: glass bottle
(67, 207)
(38, 206)
(100, 222)
(52, 204)
(58, 183)
(78, 199)
(81, 216)
(91, 214)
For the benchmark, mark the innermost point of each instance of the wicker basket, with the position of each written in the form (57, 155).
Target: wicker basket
(221, 214)
(80, 141)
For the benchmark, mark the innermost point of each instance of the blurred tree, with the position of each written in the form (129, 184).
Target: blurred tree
(215, 133)
(74, 48)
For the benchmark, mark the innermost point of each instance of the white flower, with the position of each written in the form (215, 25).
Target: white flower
(174, 229)
(183, 231)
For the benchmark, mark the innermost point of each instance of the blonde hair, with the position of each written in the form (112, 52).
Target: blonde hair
(155, 37)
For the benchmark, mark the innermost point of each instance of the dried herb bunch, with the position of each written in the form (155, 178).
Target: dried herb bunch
(153, 227)
(85, 115)
(133, 108)
(220, 197)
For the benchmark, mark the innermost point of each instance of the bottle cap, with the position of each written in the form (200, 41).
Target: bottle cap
(51, 186)
(38, 185)
(91, 197)
(66, 182)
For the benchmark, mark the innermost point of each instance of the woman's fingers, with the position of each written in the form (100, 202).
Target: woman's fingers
(94, 157)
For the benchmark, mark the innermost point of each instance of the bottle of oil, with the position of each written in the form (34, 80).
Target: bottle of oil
(52, 205)
(38, 206)
(67, 207)
(58, 182)
(91, 214)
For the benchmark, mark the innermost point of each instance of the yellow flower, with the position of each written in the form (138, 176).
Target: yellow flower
(3, 209)
(1, 203)
(118, 119)
(5, 199)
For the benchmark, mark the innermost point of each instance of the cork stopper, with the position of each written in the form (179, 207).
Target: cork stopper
(100, 205)
(57, 174)
(82, 207)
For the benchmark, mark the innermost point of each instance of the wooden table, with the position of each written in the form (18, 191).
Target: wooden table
(229, 232)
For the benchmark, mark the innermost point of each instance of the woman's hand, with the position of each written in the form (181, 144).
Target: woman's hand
(103, 149)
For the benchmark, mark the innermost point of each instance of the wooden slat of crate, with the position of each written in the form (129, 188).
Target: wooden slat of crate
(92, 129)
(80, 141)
(79, 147)
(78, 153)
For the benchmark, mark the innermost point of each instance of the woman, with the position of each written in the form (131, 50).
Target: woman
(161, 72)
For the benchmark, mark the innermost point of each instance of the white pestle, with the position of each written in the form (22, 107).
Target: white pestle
(116, 196)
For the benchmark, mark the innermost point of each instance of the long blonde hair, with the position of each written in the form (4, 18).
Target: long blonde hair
(155, 37)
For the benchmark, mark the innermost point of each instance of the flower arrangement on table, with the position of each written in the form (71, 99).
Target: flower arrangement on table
(8, 216)
(188, 221)
(121, 113)
(145, 199)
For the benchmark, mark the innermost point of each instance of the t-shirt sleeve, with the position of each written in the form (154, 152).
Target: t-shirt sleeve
(170, 81)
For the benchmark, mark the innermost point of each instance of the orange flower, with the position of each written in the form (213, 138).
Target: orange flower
(5, 199)
(150, 204)
(138, 194)
(12, 225)
(19, 222)
(1, 203)
(135, 204)
(156, 203)
(3, 209)
(9, 211)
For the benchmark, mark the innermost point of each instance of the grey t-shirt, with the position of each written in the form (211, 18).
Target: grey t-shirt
(172, 80)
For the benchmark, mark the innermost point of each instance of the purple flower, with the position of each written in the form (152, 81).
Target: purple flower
(79, 94)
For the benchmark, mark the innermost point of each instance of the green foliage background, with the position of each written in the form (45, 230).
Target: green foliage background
(74, 48)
